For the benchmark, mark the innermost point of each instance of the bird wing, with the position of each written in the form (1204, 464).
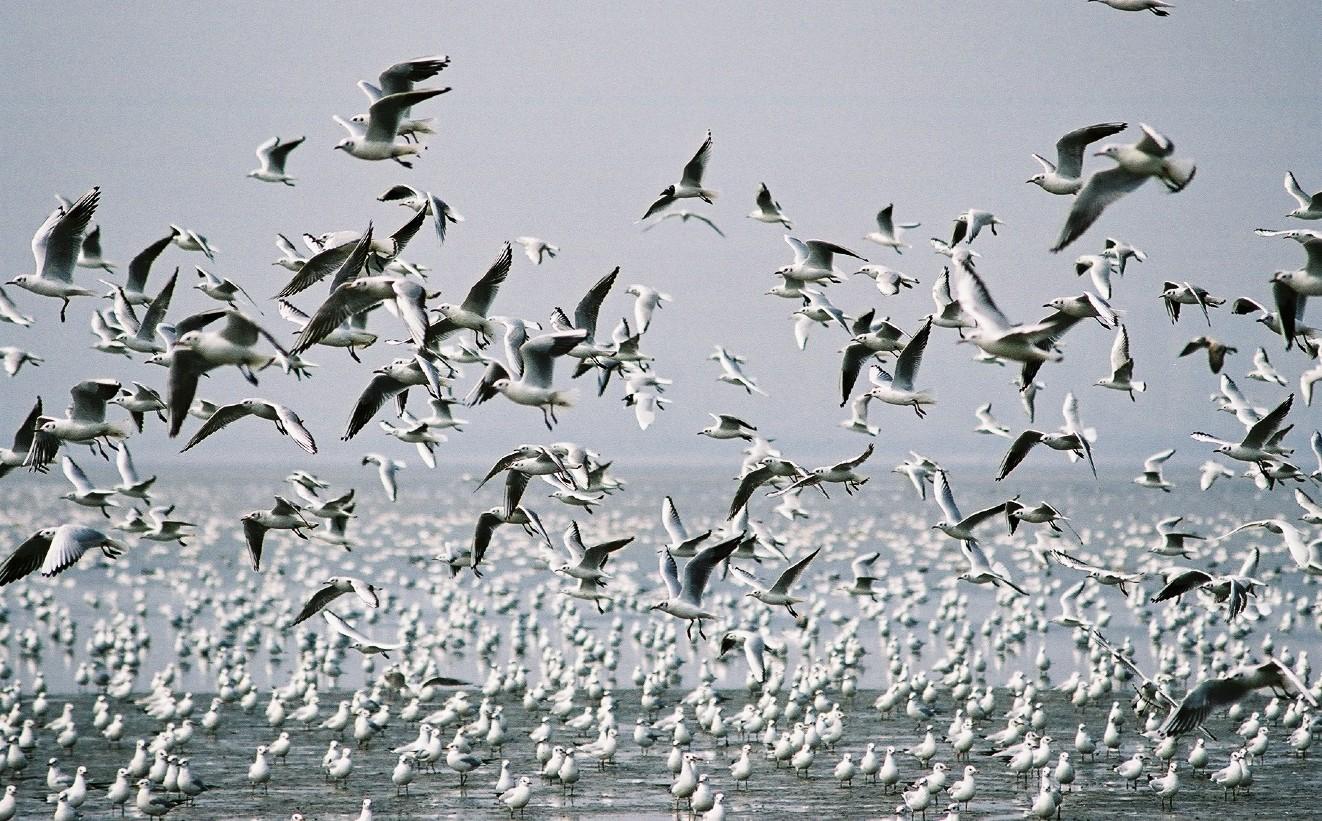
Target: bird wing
(1120, 349)
(401, 76)
(75, 475)
(1265, 427)
(68, 545)
(1101, 190)
(885, 224)
(694, 169)
(344, 302)
(89, 399)
(662, 202)
(945, 498)
(1069, 148)
(1182, 583)
(223, 416)
(385, 114)
(792, 573)
(1199, 703)
(596, 555)
(854, 356)
(140, 265)
(27, 557)
(700, 567)
(976, 301)
(670, 574)
(295, 429)
(1074, 562)
(483, 292)
(974, 519)
(671, 522)
(318, 266)
(344, 628)
(314, 605)
(23, 436)
(186, 366)
(279, 152)
(155, 313)
(378, 390)
(1019, 448)
(1153, 463)
(57, 243)
(487, 522)
(906, 366)
(748, 483)
(254, 534)
(540, 352)
(586, 312)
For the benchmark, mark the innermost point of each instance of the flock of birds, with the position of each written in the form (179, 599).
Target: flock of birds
(797, 713)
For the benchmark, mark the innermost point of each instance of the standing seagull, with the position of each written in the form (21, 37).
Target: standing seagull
(684, 598)
(1149, 157)
(689, 185)
(768, 210)
(888, 231)
(1065, 176)
(272, 155)
(55, 248)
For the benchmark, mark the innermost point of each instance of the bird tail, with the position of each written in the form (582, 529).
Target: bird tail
(1139, 387)
(1178, 173)
(564, 399)
(708, 194)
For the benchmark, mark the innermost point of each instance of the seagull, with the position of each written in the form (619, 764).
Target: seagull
(16, 456)
(969, 223)
(534, 387)
(392, 380)
(1310, 205)
(357, 640)
(287, 422)
(1290, 289)
(55, 248)
(84, 422)
(1040, 514)
(15, 358)
(537, 249)
(376, 141)
(1252, 447)
(864, 578)
(332, 589)
(283, 515)
(416, 432)
(889, 232)
(778, 594)
(899, 389)
(410, 197)
(351, 335)
(1305, 555)
(1210, 471)
(684, 598)
(1098, 573)
(755, 650)
(89, 252)
(980, 570)
(814, 261)
(1263, 370)
(1098, 267)
(1235, 589)
(1216, 351)
(955, 525)
(768, 210)
(272, 155)
(869, 338)
(221, 288)
(889, 281)
(858, 417)
(1149, 157)
(53, 550)
(473, 313)
(689, 185)
(1121, 252)
(83, 492)
(1122, 367)
(148, 334)
(1058, 440)
(840, 473)
(987, 423)
(139, 401)
(732, 371)
(1031, 345)
(189, 240)
(817, 308)
(1175, 294)
(1214, 693)
(588, 562)
(406, 296)
(646, 302)
(948, 312)
(684, 215)
(1151, 476)
(1065, 175)
(9, 311)
(681, 543)
(386, 469)
(1157, 7)
(197, 351)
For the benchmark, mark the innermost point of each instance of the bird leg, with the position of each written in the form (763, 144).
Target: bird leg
(404, 163)
(64, 307)
(546, 417)
(248, 374)
(918, 409)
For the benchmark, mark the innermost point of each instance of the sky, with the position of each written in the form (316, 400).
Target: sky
(567, 119)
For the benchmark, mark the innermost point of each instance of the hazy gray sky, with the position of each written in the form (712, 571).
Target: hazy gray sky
(567, 119)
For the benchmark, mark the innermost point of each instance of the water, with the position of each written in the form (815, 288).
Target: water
(202, 604)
